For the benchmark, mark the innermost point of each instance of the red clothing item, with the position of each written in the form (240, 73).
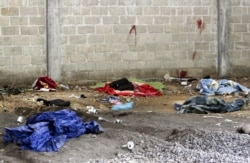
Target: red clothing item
(44, 82)
(141, 89)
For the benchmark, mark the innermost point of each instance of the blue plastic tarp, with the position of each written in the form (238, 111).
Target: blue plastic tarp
(210, 87)
(48, 131)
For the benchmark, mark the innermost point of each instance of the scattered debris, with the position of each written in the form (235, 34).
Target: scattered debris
(243, 128)
(81, 96)
(118, 121)
(63, 86)
(126, 106)
(205, 116)
(130, 145)
(91, 110)
(20, 119)
(228, 120)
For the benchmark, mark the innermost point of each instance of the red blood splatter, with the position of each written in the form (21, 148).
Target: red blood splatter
(200, 25)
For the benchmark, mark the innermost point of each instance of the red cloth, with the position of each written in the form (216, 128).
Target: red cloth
(141, 89)
(44, 82)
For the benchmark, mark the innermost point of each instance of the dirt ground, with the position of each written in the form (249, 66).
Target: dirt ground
(152, 116)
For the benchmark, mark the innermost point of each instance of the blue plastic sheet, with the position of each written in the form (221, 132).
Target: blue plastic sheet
(210, 87)
(48, 131)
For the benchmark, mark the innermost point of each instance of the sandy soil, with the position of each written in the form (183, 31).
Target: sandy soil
(150, 116)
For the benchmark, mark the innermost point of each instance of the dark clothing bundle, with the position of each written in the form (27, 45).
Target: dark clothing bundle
(206, 104)
(122, 84)
(55, 102)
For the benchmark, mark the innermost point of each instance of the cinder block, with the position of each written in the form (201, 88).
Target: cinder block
(95, 57)
(11, 11)
(148, 56)
(34, 50)
(143, 2)
(242, 45)
(95, 39)
(171, 28)
(10, 51)
(201, 10)
(31, 30)
(5, 61)
(121, 65)
(155, 28)
(38, 60)
(245, 18)
(97, 10)
(114, 56)
(154, 47)
(110, 20)
(151, 11)
(104, 29)
(145, 20)
(161, 20)
(37, 21)
(70, 30)
(86, 29)
(130, 56)
(76, 58)
(103, 48)
(128, 20)
(37, 40)
(21, 40)
(29, 11)
(239, 10)
(4, 21)
(85, 48)
(179, 37)
(167, 10)
(18, 21)
(13, 30)
(135, 65)
(104, 65)
(184, 11)
(21, 60)
(240, 27)
(85, 66)
(77, 39)
(178, 20)
(92, 20)
(202, 46)
(159, 3)
(116, 10)
(119, 47)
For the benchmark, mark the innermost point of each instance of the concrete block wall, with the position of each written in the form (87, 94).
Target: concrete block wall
(22, 40)
(240, 37)
(97, 44)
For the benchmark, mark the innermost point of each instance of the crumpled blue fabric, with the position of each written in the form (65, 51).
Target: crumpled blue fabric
(211, 87)
(48, 131)
(206, 104)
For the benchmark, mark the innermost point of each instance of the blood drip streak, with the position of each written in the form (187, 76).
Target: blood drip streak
(133, 28)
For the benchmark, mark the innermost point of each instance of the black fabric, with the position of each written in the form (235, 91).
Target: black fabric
(56, 102)
(122, 84)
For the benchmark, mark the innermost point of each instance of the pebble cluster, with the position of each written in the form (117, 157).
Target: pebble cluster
(187, 145)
